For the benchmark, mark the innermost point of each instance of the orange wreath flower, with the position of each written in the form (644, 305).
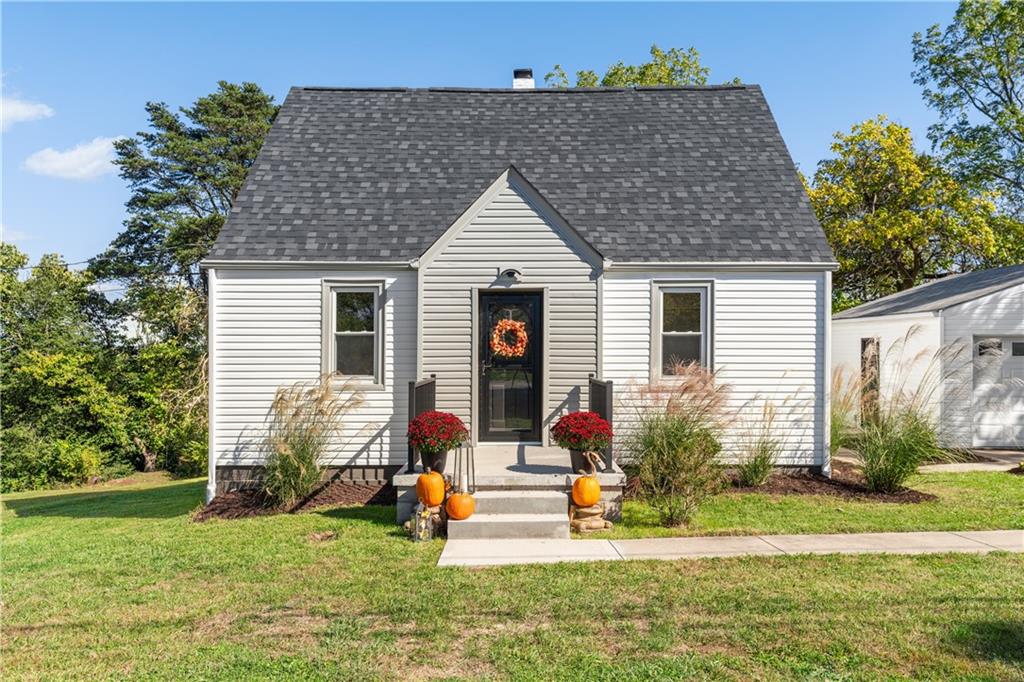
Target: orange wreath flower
(500, 345)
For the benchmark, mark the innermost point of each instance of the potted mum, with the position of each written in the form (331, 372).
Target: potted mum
(580, 432)
(433, 434)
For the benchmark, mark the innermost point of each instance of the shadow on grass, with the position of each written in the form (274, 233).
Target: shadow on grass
(161, 502)
(993, 640)
(378, 515)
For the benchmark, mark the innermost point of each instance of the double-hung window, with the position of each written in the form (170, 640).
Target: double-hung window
(353, 333)
(683, 327)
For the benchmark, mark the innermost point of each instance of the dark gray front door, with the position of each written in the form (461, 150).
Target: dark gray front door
(510, 374)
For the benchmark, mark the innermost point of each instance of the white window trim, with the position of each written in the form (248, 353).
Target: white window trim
(330, 333)
(658, 290)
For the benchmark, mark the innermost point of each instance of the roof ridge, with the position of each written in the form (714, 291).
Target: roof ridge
(595, 90)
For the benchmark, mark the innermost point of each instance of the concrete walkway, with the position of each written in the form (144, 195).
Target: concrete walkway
(510, 551)
(999, 460)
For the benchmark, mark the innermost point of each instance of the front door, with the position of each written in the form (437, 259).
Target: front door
(511, 350)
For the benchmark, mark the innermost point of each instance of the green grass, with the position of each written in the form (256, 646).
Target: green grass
(117, 582)
(967, 501)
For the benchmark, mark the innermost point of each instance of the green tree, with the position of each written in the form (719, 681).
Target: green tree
(677, 66)
(972, 73)
(893, 215)
(48, 310)
(184, 173)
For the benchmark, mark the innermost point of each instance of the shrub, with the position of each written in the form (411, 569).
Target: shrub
(674, 445)
(26, 462)
(436, 432)
(76, 462)
(303, 419)
(586, 431)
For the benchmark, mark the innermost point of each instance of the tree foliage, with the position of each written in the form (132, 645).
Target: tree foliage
(972, 73)
(93, 383)
(677, 66)
(893, 215)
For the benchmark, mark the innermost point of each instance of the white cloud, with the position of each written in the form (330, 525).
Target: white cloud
(85, 161)
(14, 110)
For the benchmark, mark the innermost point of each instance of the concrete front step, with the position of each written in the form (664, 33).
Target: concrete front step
(497, 526)
(522, 502)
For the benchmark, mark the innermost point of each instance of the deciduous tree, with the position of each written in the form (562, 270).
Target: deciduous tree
(972, 73)
(893, 215)
(677, 66)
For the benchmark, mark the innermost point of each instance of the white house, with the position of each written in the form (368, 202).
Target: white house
(977, 378)
(382, 233)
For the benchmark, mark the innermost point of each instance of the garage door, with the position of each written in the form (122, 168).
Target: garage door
(999, 391)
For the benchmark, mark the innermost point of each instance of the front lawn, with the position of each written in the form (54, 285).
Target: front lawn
(117, 582)
(966, 501)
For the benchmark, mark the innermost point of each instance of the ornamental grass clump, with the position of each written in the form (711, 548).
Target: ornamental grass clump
(762, 449)
(304, 418)
(675, 443)
(896, 428)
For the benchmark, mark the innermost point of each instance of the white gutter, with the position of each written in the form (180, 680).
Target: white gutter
(642, 266)
(292, 264)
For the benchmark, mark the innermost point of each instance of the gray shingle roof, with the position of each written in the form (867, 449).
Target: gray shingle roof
(940, 294)
(646, 174)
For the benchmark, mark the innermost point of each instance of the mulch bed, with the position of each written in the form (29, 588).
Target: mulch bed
(846, 482)
(1017, 471)
(241, 504)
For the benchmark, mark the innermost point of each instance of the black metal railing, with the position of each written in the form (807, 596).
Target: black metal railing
(601, 402)
(422, 398)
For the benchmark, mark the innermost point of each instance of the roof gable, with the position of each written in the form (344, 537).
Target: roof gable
(514, 180)
(667, 174)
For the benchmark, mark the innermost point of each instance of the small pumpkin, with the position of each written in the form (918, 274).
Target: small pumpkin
(430, 488)
(586, 491)
(460, 506)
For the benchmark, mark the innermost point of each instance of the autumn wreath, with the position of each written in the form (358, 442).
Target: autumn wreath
(509, 339)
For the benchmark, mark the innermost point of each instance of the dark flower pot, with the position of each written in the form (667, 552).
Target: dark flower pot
(434, 461)
(578, 461)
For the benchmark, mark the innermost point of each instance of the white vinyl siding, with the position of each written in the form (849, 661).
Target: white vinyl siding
(510, 232)
(268, 333)
(908, 346)
(767, 342)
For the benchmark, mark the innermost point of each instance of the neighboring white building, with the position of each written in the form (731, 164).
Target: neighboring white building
(383, 233)
(977, 320)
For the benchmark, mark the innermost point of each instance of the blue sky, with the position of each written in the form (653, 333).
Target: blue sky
(77, 75)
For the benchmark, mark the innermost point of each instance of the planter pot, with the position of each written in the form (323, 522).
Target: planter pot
(578, 461)
(434, 461)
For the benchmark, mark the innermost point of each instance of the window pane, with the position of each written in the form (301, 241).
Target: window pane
(355, 354)
(354, 311)
(681, 312)
(1017, 349)
(990, 347)
(677, 349)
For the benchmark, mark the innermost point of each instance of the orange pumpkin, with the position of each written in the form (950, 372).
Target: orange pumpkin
(586, 491)
(460, 506)
(430, 489)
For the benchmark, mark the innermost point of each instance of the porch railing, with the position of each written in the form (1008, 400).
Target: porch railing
(422, 398)
(601, 402)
